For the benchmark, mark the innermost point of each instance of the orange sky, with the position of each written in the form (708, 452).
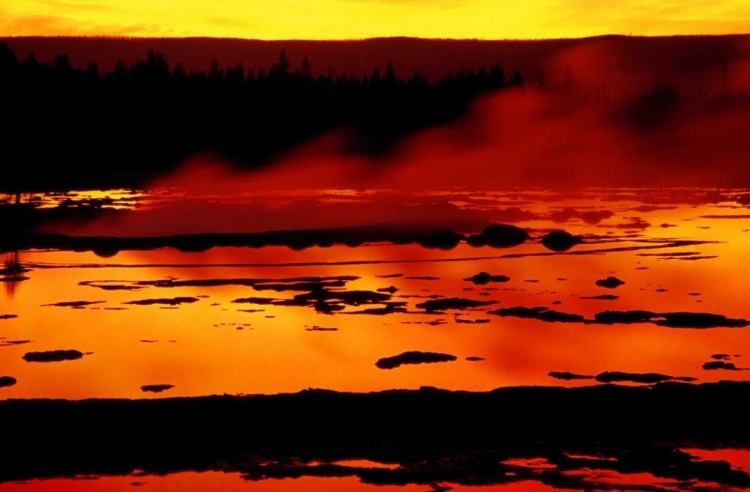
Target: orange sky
(346, 19)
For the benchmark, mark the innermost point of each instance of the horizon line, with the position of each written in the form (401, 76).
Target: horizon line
(374, 38)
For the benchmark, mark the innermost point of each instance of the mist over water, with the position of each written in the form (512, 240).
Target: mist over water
(514, 140)
(579, 122)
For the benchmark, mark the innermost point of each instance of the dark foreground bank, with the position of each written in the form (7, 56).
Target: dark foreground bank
(434, 435)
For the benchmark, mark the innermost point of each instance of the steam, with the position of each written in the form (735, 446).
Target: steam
(521, 139)
(586, 133)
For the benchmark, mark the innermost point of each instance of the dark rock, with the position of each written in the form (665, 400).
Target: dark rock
(300, 286)
(610, 283)
(7, 381)
(13, 343)
(443, 239)
(717, 364)
(560, 241)
(452, 303)
(53, 356)
(174, 301)
(700, 320)
(499, 236)
(156, 388)
(483, 278)
(568, 376)
(414, 358)
(540, 313)
(645, 378)
(624, 317)
(73, 304)
(389, 290)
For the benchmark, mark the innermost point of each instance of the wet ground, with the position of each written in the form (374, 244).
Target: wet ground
(650, 288)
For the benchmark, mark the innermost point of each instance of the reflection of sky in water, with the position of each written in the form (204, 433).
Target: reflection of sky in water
(194, 482)
(213, 345)
(118, 199)
(519, 476)
(204, 343)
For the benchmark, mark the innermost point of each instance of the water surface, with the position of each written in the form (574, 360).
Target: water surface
(671, 264)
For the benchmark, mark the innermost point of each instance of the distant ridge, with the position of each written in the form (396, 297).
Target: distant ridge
(433, 56)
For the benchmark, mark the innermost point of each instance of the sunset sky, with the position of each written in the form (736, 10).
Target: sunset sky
(347, 19)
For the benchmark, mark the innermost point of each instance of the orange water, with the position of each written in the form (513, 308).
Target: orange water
(212, 347)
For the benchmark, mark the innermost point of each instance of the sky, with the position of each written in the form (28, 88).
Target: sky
(357, 19)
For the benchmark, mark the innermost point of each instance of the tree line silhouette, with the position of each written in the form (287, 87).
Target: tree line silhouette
(92, 128)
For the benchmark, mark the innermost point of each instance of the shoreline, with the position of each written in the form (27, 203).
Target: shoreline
(266, 435)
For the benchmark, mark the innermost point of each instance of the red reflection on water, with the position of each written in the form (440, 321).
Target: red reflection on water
(216, 346)
(12, 273)
(738, 458)
(194, 482)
